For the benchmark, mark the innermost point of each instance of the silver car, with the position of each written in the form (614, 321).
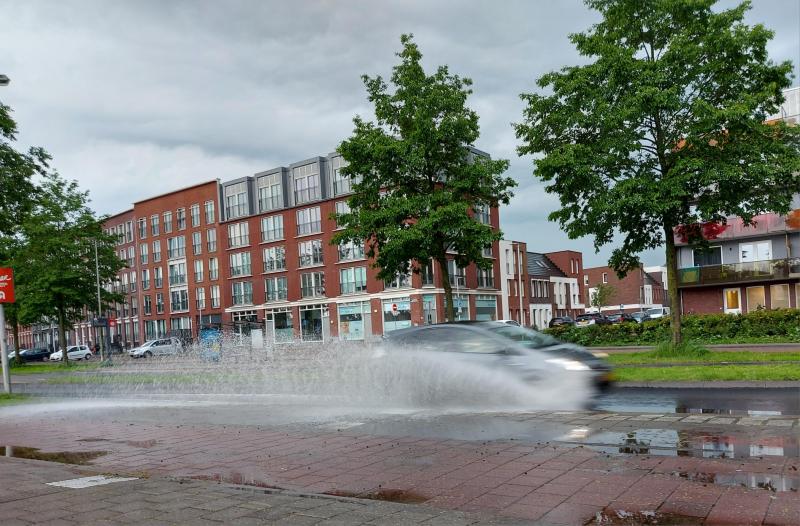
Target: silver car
(162, 347)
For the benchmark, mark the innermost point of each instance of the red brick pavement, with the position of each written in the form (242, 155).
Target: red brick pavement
(554, 484)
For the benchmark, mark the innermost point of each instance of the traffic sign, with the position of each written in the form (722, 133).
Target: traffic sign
(112, 322)
(6, 285)
(395, 312)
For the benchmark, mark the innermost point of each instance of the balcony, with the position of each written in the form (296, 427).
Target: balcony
(764, 225)
(768, 270)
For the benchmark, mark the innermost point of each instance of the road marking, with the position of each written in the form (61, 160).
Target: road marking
(88, 482)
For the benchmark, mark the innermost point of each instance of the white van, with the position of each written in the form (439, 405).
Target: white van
(657, 312)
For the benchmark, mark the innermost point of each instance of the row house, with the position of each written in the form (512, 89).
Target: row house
(639, 290)
(555, 289)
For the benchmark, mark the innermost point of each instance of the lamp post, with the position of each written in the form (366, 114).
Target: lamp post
(99, 305)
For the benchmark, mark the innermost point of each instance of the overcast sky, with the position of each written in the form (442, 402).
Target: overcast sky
(136, 98)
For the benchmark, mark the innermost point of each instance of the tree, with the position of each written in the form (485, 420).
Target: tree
(664, 126)
(59, 273)
(17, 170)
(421, 177)
(603, 295)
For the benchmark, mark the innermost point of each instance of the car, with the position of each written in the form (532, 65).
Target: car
(34, 355)
(530, 355)
(657, 312)
(639, 317)
(593, 318)
(160, 347)
(561, 320)
(74, 352)
(622, 317)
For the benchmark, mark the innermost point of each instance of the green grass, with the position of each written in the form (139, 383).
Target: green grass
(739, 340)
(8, 399)
(712, 357)
(39, 368)
(698, 373)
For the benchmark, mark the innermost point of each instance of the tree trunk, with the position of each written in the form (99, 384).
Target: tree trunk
(449, 311)
(62, 336)
(672, 286)
(15, 332)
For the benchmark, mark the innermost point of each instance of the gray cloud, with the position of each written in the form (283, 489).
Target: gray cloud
(136, 98)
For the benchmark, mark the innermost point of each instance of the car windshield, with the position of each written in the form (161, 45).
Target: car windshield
(527, 337)
(585, 317)
(149, 343)
(653, 311)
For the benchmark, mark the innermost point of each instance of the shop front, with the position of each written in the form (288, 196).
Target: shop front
(486, 308)
(396, 314)
(353, 320)
(280, 323)
(314, 323)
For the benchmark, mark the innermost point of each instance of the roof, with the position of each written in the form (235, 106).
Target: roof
(540, 266)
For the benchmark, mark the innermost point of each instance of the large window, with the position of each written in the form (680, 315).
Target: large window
(349, 251)
(194, 210)
(148, 305)
(276, 289)
(486, 278)
(396, 314)
(179, 300)
(274, 259)
(214, 290)
(706, 258)
(427, 274)
(312, 284)
(240, 264)
(167, 222)
(779, 296)
(310, 253)
(457, 275)
(142, 222)
(209, 206)
(156, 251)
(197, 243)
(485, 308)
(198, 270)
(400, 281)
(353, 280)
(270, 192)
(272, 228)
(176, 247)
(177, 274)
(154, 225)
(200, 301)
(213, 268)
(145, 279)
(755, 299)
(180, 217)
(243, 293)
(342, 208)
(211, 240)
(143, 253)
(308, 221)
(755, 251)
(306, 183)
(159, 303)
(158, 277)
(482, 214)
(238, 235)
(236, 200)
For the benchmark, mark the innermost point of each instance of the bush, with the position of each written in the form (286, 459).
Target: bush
(781, 325)
(685, 349)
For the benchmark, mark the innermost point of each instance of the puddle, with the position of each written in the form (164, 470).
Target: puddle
(769, 482)
(624, 518)
(401, 496)
(63, 457)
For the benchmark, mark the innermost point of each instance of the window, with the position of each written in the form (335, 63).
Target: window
(177, 274)
(213, 268)
(167, 222)
(779, 296)
(487, 251)
(238, 235)
(349, 251)
(159, 303)
(605, 277)
(211, 240)
(209, 205)
(755, 299)
(133, 281)
(270, 192)
(143, 253)
(458, 277)
(353, 280)
(342, 208)
(486, 308)
(198, 270)
(142, 222)
(757, 251)
(176, 247)
(194, 210)
(586, 280)
(148, 305)
(399, 282)
(310, 253)
(306, 183)
(482, 214)
(158, 277)
(197, 243)
(154, 225)
(276, 289)
(156, 251)
(129, 231)
(341, 183)
(707, 258)
(312, 284)
(272, 228)
(308, 221)
(200, 298)
(240, 264)
(214, 290)
(243, 293)
(179, 301)
(131, 256)
(486, 278)
(274, 259)
(427, 274)
(145, 279)
(180, 218)
(236, 200)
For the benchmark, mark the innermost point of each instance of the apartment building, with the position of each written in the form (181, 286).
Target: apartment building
(555, 291)
(513, 257)
(639, 290)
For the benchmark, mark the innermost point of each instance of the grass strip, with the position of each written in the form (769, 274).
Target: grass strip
(13, 398)
(709, 373)
(710, 358)
(42, 368)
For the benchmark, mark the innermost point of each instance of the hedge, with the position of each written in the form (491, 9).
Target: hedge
(781, 325)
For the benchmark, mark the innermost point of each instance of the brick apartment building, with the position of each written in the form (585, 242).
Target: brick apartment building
(555, 286)
(639, 290)
(513, 256)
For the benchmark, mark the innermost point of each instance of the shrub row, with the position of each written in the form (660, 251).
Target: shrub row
(779, 325)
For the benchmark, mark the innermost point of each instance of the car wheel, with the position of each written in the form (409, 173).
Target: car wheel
(88, 356)
(148, 354)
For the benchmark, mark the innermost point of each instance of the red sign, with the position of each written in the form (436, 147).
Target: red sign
(6, 285)
(112, 322)
(394, 307)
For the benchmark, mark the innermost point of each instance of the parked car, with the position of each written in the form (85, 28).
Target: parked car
(510, 322)
(531, 355)
(34, 355)
(162, 347)
(561, 320)
(657, 312)
(74, 352)
(639, 317)
(594, 318)
(622, 317)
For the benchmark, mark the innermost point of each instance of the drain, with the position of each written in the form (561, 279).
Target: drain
(401, 496)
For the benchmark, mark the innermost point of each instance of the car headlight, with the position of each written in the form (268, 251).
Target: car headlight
(569, 365)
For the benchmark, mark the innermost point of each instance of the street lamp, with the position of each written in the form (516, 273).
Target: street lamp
(4, 80)
(99, 306)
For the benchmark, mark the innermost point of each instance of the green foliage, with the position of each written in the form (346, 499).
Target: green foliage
(710, 373)
(420, 178)
(637, 358)
(685, 349)
(662, 125)
(781, 325)
(17, 170)
(603, 295)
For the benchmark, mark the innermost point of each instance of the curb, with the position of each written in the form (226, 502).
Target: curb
(711, 385)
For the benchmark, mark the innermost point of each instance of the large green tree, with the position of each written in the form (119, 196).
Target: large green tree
(421, 181)
(662, 125)
(17, 170)
(59, 271)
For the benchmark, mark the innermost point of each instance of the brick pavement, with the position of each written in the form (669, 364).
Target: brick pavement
(547, 483)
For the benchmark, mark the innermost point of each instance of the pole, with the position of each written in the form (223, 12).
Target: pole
(99, 306)
(520, 289)
(4, 351)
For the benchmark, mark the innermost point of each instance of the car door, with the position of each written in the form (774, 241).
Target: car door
(158, 348)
